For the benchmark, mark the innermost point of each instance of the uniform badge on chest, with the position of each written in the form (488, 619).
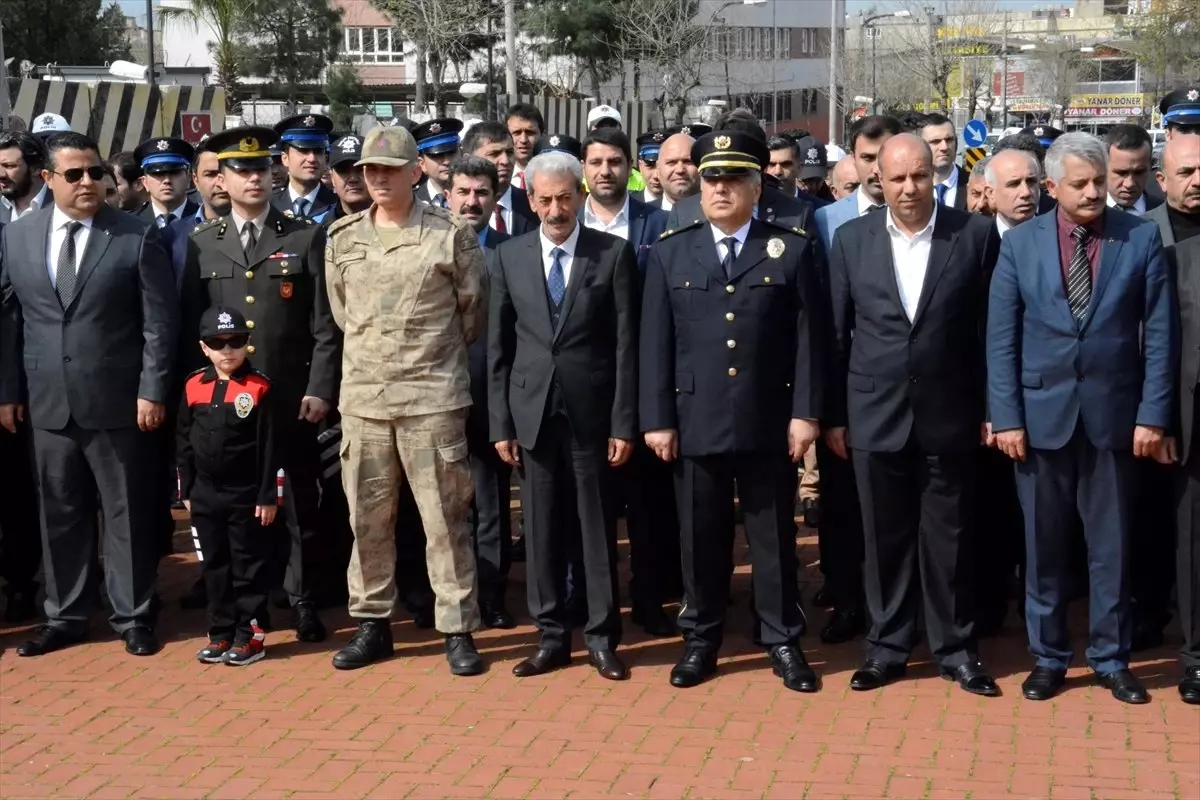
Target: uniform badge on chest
(243, 404)
(286, 288)
(775, 247)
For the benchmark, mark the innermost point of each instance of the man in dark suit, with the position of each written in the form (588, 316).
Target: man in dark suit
(165, 163)
(950, 180)
(731, 322)
(1082, 343)
(22, 190)
(94, 344)
(562, 400)
(645, 482)
(304, 143)
(1129, 156)
(512, 214)
(907, 381)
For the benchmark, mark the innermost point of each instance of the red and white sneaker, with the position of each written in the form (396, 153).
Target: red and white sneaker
(243, 653)
(215, 652)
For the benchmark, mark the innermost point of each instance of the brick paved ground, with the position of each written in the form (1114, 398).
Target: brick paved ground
(94, 722)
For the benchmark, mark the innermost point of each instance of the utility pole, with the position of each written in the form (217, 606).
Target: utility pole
(932, 54)
(1004, 76)
(5, 103)
(510, 49)
(833, 54)
(150, 42)
(774, 70)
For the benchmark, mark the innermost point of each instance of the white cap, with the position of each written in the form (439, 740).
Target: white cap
(603, 112)
(834, 154)
(49, 123)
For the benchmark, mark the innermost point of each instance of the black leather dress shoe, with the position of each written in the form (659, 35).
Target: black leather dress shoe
(811, 509)
(608, 665)
(462, 656)
(696, 666)
(544, 660)
(874, 674)
(822, 598)
(497, 616)
(1043, 683)
(21, 605)
(47, 640)
(651, 618)
(972, 678)
(1124, 687)
(370, 643)
(1189, 686)
(140, 641)
(788, 663)
(844, 625)
(309, 627)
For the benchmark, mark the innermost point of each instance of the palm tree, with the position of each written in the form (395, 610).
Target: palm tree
(226, 18)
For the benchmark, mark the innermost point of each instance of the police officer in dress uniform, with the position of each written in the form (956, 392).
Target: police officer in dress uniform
(165, 164)
(1181, 112)
(304, 144)
(437, 144)
(270, 267)
(560, 142)
(647, 157)
(731, 320)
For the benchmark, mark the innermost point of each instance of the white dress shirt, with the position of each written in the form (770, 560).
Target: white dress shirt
(311, 198)
(1002, 225)
(667, 205)
(504, 204)
(258, 223)
(177, 211)
(58, 237)
(617, 226)
(865, 203)
(568, 257)
(910, 258)
(1139, 208)
(34, 204)
(739, 235)
(951, 185)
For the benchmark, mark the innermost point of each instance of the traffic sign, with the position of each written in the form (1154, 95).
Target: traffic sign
(195, 125)
(972, 156)
(975, 133)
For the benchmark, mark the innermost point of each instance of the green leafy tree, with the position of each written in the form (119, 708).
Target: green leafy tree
(344, 88)
(226, 18)
(291, 41)
(64, 32)
(585, 30)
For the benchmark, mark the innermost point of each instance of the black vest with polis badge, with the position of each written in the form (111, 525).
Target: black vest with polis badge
(280, 290)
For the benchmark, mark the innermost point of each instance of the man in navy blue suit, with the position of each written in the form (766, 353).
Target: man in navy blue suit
(646, 483)
(1082, 341)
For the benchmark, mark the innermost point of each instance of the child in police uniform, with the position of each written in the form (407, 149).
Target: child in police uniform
(227, 467)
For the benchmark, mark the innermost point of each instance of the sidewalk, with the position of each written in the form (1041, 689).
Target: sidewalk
(94, 722)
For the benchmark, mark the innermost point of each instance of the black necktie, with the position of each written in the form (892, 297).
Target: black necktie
(251, 240)
(727, 262)
(1079, 275)
(64, 272)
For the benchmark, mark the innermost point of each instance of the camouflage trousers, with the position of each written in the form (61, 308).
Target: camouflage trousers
(430, 451)
(810, 481)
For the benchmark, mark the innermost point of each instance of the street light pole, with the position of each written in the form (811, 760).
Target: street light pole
(1004, 77)
(833, 53)
(869, 24)
(774, 70)
(150, 42)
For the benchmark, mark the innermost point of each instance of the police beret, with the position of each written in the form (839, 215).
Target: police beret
(164, 155)
(305, 131)
(438, 136)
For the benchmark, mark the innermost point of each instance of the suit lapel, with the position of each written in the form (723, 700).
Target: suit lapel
(40, 244)
(97, 246)
(1051, 263)
(581, 265)
(1110, 249)
(637, 224)
(535, 282)
(884, 258)
(940, 250)
(753, 253)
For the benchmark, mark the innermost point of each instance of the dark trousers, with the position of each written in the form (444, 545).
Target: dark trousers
(73, 466)
(301, 511)
(1187, 553)
(840, 537)
(493, 523)
(1001, 535)
(236, 555)
(704, 491)
(916, 509)
(559, 465)
(1101, 485)
(20, 541)
(652, 523)
(337, 538)
(1152, 547)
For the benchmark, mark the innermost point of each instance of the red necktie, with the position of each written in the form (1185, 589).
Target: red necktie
(519, 180)
(498, 223)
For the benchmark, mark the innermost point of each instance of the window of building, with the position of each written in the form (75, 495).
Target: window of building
(373, 46)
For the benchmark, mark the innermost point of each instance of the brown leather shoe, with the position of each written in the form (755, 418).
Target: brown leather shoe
(608, 665)
(545, 660)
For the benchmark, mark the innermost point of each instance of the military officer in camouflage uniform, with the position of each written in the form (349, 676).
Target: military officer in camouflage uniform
(270, 267)
(406, 285)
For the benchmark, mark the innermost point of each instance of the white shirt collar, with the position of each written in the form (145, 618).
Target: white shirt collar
(505, 200)
(952, 181)
(740, 234)
(590, 219)
(60, 220)
(865, 203)
(177, 211)
(667, 205)
(34, 204)
(1002, 225)
(311, 197)
(894, 230)
(568, 247)
(1139, 206)
(258, 221)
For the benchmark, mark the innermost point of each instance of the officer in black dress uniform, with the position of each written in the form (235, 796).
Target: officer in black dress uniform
(166, 165)
(1181, 112)
(274, 275)
(304, 142)
(437, 144)
(730, 390)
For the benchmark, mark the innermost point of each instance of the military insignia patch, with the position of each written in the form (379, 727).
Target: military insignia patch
(775, 247)
(243, 404)
(554, 140)
(310, 121)
(248, 145)
(286, 288)
(1039, 131)
(1193, 95)
(435, 128)
(163, 144)
(658, 137)
(289, 213)
(722, 142)
(811, 154)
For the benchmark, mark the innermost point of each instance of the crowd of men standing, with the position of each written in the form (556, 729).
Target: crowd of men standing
(975, 373)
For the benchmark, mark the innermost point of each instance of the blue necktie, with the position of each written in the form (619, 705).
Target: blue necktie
(941, 194)
(299, 206)
(555, 283)
(727, 262)
(165, 219)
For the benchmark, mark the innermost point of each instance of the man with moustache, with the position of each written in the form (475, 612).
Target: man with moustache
(270, 266)
(907, 395)
(1082, 348)
(841, 535)
(22, 189)
(676, 170)
(511, 214)
(843, 179)
(977, 202)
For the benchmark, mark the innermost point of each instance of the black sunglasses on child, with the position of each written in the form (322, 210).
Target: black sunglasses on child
(235, 342)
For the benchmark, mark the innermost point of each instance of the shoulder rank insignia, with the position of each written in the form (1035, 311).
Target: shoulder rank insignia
(206, 225)
(673, 231)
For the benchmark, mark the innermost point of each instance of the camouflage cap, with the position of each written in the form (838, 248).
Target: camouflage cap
(388, 146)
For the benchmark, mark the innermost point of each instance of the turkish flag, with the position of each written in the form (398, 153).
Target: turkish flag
(195, 125)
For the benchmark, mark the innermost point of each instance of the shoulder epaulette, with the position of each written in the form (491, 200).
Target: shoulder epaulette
(672, 231)
(337, 225)
(203, 226)
(796, 229)
(196, 372)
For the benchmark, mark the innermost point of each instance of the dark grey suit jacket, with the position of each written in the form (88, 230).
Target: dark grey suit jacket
(6, 211)
(591, 356)
(113, 344)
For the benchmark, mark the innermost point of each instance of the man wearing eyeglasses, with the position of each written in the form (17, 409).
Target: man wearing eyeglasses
(88, 321)
(270, 266)
(165, 164)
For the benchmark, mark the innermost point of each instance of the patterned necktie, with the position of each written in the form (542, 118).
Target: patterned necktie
(299, 206)
(727, 262)
(1079, 275)
(64, 272)
(556, 284)
(251, 240)
(498, 221)
(941, 194)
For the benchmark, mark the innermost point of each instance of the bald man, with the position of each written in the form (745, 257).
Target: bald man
(1014, 180)
(676, 171)
(843, 178)
(912, 411)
